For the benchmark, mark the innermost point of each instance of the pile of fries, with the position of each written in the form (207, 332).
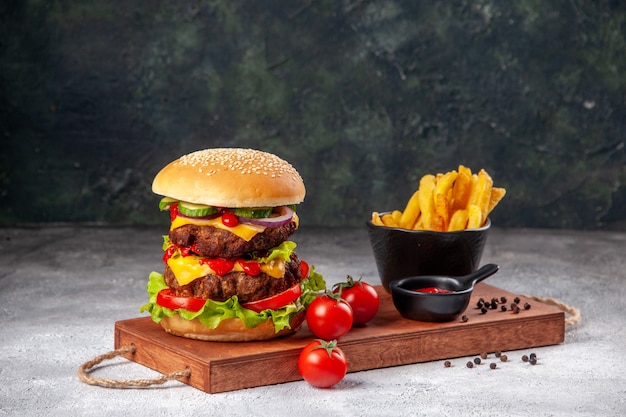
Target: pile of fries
(456, 200)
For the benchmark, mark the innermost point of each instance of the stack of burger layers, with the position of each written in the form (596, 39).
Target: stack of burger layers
(231, 272)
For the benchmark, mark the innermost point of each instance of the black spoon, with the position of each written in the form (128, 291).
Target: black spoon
(462, 283)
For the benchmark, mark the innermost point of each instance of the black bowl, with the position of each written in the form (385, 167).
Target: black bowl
(421, 306)
(436, 307)
(401, 253)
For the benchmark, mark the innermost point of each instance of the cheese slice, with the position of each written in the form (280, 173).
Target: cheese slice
(244, 231)
(186, 269)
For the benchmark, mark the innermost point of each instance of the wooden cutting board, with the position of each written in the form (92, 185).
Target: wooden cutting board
(388, 340)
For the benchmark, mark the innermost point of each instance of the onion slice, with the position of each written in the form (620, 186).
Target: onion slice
(285, 214)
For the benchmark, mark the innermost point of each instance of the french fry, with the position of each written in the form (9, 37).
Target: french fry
(475, 217)
(462, 188)
(473, 197)
(438, 223)
(388, 220)
(442, 198)
(427, 203)
(396, 214)
(481, 192)
(456, 200)
(411, 212)
(458, 221)
(496, 195)
(376, 221)
(419, 225)
(486, 195)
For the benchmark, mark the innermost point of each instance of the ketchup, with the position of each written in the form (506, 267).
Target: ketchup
(252, 268)
(173, 211)
(169, 252)
(221, 266)
(434, 290)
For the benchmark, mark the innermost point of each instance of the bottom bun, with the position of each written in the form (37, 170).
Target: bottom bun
(229, 330)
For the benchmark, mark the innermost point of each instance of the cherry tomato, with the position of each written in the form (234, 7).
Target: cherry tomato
(329, 317)
(167, 298)
(361, 296)
(276, 301)
(322, 364)
(230, 219)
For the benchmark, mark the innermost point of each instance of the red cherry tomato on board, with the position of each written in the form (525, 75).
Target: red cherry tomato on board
(322, 364)
(361, 296)
(329, 317)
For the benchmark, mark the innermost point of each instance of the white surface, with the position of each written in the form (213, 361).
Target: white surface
(62, 290)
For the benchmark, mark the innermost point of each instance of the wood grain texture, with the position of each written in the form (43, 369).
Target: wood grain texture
(388, 340)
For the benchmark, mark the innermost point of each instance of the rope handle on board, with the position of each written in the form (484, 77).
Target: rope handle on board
(83, 372)
(575, 316)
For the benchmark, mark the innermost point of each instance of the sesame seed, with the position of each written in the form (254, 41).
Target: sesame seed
(246, 161)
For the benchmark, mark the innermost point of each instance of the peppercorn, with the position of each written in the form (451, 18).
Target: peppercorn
(498, 354)
(526, 306)
(516, 310)
(469, 364)
(477, 361)
(483, 310)
(533, 361)
(492, 365)
(516, 300)
(513, 305)
(524, 358)
(484, 355)
(533, 355)
(503, 299)
(504, 358)
(503, 307)
(480, 304)
(464, 318)
(447, 364)
(494, 305)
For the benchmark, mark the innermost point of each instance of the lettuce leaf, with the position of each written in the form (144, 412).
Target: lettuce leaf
(283, 250)
(214, 312)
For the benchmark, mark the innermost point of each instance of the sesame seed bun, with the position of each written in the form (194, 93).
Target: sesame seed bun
(231, 177)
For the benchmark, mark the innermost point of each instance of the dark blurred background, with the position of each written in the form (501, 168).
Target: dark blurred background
(362, 97)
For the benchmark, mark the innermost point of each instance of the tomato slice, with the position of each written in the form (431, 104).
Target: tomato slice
(304, 269)
(276, 301)
(166, 298)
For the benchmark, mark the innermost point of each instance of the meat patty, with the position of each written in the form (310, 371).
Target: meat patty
(212, 242)
(247, 288)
